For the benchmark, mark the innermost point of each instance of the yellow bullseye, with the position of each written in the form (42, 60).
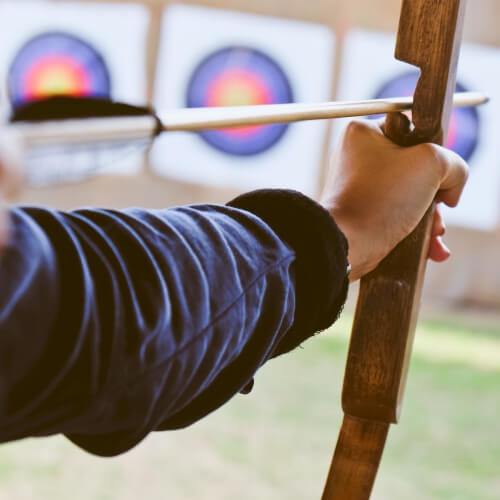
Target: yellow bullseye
(239, 94)
(56, 82)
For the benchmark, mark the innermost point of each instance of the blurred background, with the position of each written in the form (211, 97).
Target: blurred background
(277, 442)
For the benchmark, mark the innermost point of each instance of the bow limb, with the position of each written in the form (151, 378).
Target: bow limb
(429, 37)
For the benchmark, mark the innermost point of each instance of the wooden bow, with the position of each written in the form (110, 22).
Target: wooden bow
(429, 37)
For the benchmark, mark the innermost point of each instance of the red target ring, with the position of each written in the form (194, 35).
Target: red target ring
(240, 76)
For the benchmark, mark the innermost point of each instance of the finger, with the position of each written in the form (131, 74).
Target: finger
(438, 224)
(360, 126)
(438, 251)
(454, 175)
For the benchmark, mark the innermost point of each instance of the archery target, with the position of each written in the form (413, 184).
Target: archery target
(76, 49)
(230, 58)
(240, 76)
(369, 70)
(57, 64)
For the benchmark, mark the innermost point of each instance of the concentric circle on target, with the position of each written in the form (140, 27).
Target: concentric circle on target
(463, 134)
(240, 76)
(57, 64)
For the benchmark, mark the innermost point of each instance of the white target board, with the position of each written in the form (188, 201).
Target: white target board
(211, 57)
(77, 49)
(369, 71)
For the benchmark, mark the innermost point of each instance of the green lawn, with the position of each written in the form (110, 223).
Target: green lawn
(277, 442)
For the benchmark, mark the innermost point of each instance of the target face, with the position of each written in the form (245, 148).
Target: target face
(464, 124)
(57, 64)
(240, 76)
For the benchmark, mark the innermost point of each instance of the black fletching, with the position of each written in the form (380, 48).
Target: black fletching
(66, 108)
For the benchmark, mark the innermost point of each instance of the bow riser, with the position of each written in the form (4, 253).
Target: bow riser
(381, 341)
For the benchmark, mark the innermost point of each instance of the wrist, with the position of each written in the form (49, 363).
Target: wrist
(361, 255)
(320, 262)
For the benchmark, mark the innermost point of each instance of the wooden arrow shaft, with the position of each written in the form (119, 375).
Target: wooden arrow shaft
(194, 119)
(236, 116)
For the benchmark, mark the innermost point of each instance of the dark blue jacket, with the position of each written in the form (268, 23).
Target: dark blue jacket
(114, 324)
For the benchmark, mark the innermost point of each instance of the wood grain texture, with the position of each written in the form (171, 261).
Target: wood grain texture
(430, 33)
(354, 468)
(389, 297)
(433, 46)
(383, 330)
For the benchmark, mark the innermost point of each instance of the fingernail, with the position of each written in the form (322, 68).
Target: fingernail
(445, 247)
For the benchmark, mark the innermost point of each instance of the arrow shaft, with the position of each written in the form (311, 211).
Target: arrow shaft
(195, 119)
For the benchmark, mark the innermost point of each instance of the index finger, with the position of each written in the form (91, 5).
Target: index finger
(454, 174)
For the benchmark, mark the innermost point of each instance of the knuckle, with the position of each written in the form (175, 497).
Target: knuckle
(433, 155)
(432, 151)
(355, 128)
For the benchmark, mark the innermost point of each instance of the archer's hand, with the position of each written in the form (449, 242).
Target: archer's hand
(10, 178)
(378, 192)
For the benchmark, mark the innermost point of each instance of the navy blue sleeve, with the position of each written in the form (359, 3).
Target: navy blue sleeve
(114, 324)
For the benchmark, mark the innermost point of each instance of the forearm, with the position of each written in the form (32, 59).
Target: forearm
(118, 323)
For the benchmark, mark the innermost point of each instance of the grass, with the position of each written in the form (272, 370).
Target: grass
(277, 442)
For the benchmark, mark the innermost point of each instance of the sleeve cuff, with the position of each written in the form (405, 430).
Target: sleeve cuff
(321, 278)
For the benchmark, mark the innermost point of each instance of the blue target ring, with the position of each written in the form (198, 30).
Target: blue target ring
(57, 64)
(240, 76)
(463, 135)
